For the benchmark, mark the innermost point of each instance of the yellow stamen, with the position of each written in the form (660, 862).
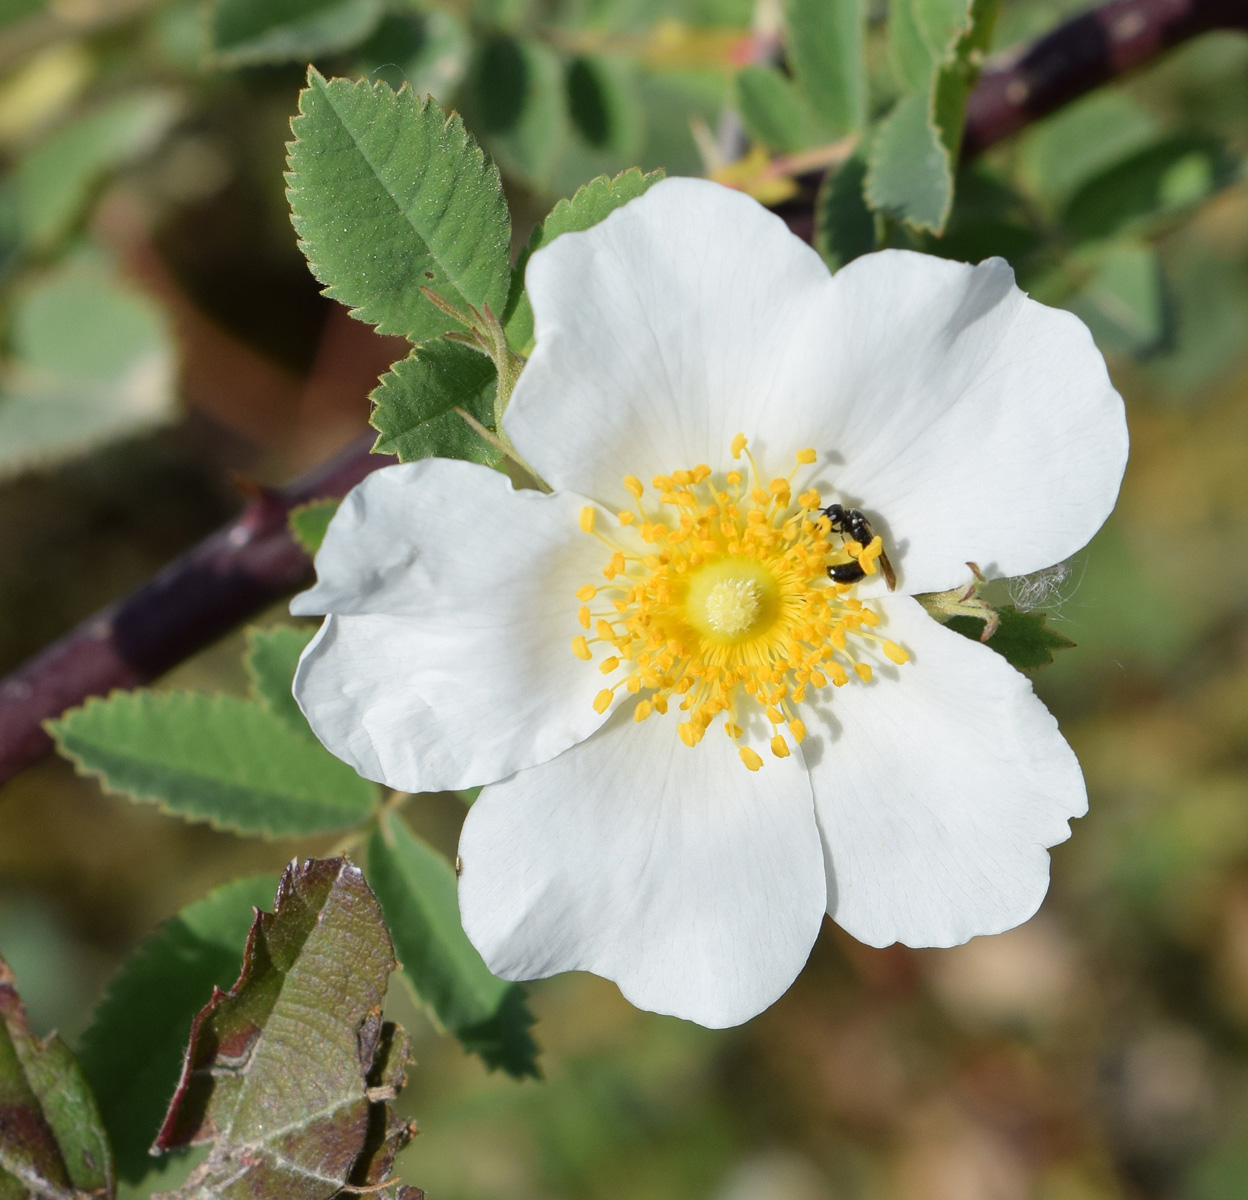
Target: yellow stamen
(895, 653)
(779, 747)
(798, 730)
(750, 759)
(580, 647)
(739, 443)
(634, 485)
(602, 701)
(587, 519)
(805, 457)
(863, 671)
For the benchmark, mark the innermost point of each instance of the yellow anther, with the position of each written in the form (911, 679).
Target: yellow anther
(739, 443)
(869, 617)
(839, 676)
(582, 615)
(896, 653)
(853, 549)
(874, 548)
(806, 457)
(733, 730)
(733, 478)
(778, 487)
(604, 630)
(798, 730)
(750, 759)
(625, 517)
(608, 665)
(633, 684)
(759, 496)
(602, 701)
(682, 478)
(642, 711)
(580, 647)
(810, 500)
(773, 715)
(690, 733)
(588, 592)
(587, 519)
(634, 485)
(818, 680)
(660, 704)
(701, 472)
(779, 747)
(661, 483)
(863, 671)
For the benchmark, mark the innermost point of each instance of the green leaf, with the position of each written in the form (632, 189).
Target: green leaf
(603, 104)
(291, 1074)
(92, 361)
(389, 195)
(774, 112)
(213, 758)
(272, 655)
(56, 178)
(518, 99)
(912, 157)
(909, 174)
(1022, 638)
(1083, 140)
(844, 225)
(1150, 186)
(593, 202)
(1124, 301)
(308, 522)
(247, 32)
(415, 402)
(429, 51)
(132, 1051)
(417, 890)
(52, 1143)
(826, 46)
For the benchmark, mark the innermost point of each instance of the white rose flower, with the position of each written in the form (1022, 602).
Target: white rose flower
(694, 740)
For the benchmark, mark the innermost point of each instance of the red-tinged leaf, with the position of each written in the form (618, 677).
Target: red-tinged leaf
(52, 1144)
(289, 1075)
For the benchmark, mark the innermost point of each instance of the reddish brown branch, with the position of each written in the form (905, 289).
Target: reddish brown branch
(225, 579)
(1080, 56)
(254, 562)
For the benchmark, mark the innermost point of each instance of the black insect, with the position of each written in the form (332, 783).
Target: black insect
(854, 526)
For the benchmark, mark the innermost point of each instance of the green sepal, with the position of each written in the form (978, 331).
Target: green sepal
(132, 1050)
(390, 195)
(593, 202)
(417, 890)
(219, 759)
(1023, 639)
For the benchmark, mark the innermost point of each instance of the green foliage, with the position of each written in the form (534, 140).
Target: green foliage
(132, 1051)
(390, 195)
(826, 47)
(306, 1111)
(416, 887)
(55, 178)
(51, 1140)
(936, 46)
(592, 203)
(272, 656)
(92, 360)
(247, 32)
(775, 112)
(1023, 639)
(844, 226)
(603, 104)
(1123, 301)
(519, 101)
(219, 759)
(309, 522)
(415, 402)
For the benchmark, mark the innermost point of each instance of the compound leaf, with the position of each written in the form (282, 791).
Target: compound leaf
(417, 890)
(389, 195)
(414, 405)
(593, 202)
(132, 1051)
(272, 655)
(290, 1075)
(52, 1143)
(245, 32)
(219, 759)
(844, 225)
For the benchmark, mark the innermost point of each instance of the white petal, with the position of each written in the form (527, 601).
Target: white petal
(662, 333)
(973, 423)
(448, 662)
(938, 789)
(696, 885)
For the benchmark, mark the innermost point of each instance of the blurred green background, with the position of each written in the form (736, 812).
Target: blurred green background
(161, 332)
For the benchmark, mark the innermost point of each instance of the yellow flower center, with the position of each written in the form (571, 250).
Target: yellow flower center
(719, 593)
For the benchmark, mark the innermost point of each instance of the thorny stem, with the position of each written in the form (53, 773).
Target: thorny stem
(253, 561)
